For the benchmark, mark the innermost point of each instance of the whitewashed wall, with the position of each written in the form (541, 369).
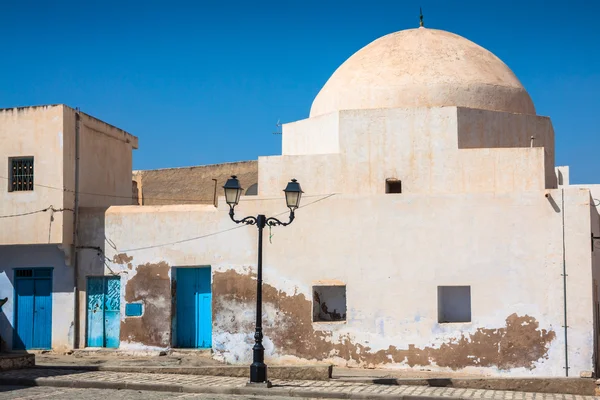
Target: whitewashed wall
(392, 251)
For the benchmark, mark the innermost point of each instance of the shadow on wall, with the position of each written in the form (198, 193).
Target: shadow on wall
(5, 326)
(91, 263)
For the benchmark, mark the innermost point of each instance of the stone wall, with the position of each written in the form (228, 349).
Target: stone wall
(192, 185)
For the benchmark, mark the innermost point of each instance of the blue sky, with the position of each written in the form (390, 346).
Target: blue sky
(205, 82)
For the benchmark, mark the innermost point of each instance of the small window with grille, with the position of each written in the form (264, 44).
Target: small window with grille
(21, 174)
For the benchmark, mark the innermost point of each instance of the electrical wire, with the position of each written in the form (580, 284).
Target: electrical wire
(207, 235)
(245, 198)
(36, 212)
(112, 195)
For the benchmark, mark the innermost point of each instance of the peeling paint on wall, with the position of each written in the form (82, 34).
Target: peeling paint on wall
(151, 286)
(519, 344)
(122, 259)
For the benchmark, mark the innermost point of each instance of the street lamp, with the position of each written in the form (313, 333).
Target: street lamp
(233, 191)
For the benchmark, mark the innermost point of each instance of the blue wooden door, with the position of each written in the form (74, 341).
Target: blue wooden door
(204, 308)
(103, 310)
(112, 311)
(194, 308)
(95, 312)
(42, 314)
(33, 309)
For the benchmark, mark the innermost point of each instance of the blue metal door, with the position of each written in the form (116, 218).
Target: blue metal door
(33, 309)
(103, 310)
(194, 308)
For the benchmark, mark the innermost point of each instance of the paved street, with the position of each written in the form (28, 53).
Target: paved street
(189, 385)
(50, 393)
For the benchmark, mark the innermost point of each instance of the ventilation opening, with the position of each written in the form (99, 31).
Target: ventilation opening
(454, 304)
(329, 303)
(252, 190)
(393, 185)
(24, 273)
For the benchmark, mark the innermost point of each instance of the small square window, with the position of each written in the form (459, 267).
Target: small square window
(393, 186)
(329, 303)
(454, 304)
(21, 174)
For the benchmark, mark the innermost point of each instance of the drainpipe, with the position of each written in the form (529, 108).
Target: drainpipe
(75, 236)
(215, 193)
(564, 275)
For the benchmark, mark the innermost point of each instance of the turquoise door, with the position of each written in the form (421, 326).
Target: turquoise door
(33, 309)
(194, 308)
(103, 311)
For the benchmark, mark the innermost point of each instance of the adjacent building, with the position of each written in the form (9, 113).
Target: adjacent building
(57, 163)
(435, 233)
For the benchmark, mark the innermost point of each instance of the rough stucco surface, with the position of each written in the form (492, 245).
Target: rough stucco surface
(37, 132)
(422, 68)
(151, 286)
(48, 134)
(518, 344)
(431, 150)
(391, 255)
(191, 185)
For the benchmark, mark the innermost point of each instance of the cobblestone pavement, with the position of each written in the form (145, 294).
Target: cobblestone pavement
(51, 393)
(47, 377)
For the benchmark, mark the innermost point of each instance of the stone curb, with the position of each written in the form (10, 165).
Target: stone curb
(576, 386)
(307, 373)
(225, 390)
(553, 385)
(16, 361)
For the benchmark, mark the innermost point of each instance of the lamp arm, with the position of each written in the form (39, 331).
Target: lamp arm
(247, 220)
(272, 221)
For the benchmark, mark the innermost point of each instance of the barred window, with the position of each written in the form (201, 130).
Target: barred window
(21, 174)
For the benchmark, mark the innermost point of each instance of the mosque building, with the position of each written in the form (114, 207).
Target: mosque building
(434, 232)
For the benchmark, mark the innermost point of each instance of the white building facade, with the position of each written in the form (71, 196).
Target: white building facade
(433, 233)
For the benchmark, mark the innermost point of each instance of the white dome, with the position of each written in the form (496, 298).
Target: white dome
(423, 68)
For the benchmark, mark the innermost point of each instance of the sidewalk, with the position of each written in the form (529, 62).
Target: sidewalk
(232, 386)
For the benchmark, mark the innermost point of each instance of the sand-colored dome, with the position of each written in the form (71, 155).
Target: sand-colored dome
(422, 68)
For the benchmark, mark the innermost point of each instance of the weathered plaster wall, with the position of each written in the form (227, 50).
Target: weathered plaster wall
(318, 135)
(48, 134)
(391, 251)
(191, 185)
(37, 132)
(431, 150)
(594, 192)
(91, 260)
(478, 129)
(34, 256)
(105, 162)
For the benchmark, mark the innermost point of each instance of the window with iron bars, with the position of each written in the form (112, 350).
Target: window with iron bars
(21, 174)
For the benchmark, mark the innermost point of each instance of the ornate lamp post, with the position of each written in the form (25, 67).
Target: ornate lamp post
(233, 191)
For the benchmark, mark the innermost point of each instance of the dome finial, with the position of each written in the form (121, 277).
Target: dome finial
(421, 17)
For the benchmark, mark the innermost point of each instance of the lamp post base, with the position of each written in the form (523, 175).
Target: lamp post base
(258, 372)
